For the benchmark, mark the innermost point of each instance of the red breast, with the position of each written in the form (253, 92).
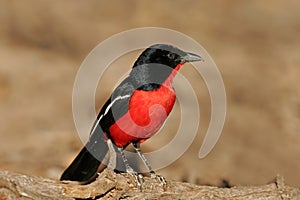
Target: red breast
(147, 112)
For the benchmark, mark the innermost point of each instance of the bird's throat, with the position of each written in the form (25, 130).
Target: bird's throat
(168, 82)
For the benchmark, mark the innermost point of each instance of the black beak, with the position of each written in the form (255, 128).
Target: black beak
(191, 57)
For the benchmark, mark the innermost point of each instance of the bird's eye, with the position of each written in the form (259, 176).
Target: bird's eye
(171, 56)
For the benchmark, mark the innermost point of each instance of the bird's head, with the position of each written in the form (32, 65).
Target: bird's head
(159, 63)
(166, 55)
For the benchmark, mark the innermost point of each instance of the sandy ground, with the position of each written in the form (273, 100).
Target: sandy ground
(255, 44)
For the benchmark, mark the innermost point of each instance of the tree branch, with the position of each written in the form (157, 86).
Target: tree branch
(110, 185)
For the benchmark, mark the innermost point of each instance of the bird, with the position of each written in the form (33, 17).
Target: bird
(135, 111)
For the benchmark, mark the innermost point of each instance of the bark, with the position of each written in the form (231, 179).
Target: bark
(110, 185)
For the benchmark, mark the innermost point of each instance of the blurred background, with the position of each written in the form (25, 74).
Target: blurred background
(255, 44)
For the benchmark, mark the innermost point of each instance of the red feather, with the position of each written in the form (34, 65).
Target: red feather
(147, 112)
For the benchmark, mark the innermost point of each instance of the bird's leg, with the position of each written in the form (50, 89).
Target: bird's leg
(138, 178)
(148, 166)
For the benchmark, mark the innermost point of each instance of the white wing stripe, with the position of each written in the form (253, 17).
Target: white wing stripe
(107, 109)
(116, 99)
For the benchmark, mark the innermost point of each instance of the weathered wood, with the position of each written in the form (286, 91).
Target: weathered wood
(121, 186)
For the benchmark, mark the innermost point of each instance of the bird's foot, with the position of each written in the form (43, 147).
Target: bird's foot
(138, 178)
(160, 179)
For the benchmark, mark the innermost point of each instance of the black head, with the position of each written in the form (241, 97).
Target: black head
(165, 54)
(156, 64)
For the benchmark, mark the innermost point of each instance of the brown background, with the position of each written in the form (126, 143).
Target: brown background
(255, 44)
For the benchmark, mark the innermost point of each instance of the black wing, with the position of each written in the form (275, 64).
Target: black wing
(115, 107)
(85, 165)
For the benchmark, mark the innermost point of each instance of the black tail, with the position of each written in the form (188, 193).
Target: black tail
(85, 165)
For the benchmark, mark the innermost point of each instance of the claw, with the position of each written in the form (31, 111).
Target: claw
(159, 178)
(138, 179)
